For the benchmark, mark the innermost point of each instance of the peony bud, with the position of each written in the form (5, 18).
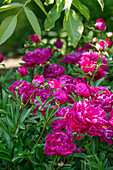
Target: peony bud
(22, 71)
(100, 46)
(100, 25)
(1, 58)
(38, 80)
(58, 43)
(35, 38)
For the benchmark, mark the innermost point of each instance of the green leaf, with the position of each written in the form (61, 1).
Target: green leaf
(10, 122)
(58, 2)
(3, 112)
(67, 6)
(55, 118)
(82, 155)
(47, 2)
(33, 21)
(101, 2)
(10, 6)
(24, 115)
(8, 139)
(54, 15)
(82, 9)
(2, 156)
(39, 3)
(73, 26)
(99, 81)
(7, 28)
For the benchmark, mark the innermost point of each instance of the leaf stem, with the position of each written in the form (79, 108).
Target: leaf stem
(54, 161)
(46, 124)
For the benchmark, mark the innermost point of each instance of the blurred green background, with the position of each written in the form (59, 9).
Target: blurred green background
(13, 47)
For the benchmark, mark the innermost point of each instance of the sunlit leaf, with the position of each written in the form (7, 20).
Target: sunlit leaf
(33, 21)
(7, 28)
(73, 26)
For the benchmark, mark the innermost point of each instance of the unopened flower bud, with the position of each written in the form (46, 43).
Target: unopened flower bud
(60, 164)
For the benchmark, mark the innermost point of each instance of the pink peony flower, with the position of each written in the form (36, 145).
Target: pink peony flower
(69, 85)
(101, 97)
(60, 96)
(109, 42)
(38, 80)
(53, 70)
(59, 143)
(100, 25)
(43, 93)
(79, 150)
(23, 71)
(88, 45)
(58, 43)
(72, 58)
(83, 89)
(37, 57)
(1, 58)
(88, 63)
(108, 130)
(60, 124)
(54, 84)
(85, 118)
(82, 49)
(35, 38)
(24, 89)
(101, 46)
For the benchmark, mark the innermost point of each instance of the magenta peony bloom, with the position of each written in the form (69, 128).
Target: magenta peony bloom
(35, 38)
(60, 96)
(83, 89)
(109, 42)
(60, 124)
(24, 89)
(38, 80)
(82, 49)
(69, 86)
(79, 150)
(100, 25)
(108, 130)
(102, 97)
(54, 84)
(1, 58)
(53, 71)
(59, 143)
(100, 46)
(37, 57)
(43, 93)
(88, 63)
(89, 46)
(72, 58)
(58, 44)
(85, 118)
(23, 71)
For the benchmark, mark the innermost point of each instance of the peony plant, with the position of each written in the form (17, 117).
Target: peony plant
(58, 115)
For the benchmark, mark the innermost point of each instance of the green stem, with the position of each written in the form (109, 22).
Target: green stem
(46, 124)
(23, 7)
(97, 63)
(33, 72)
(54, 161)
(30, 96)
(18, 119)
(47, 99)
